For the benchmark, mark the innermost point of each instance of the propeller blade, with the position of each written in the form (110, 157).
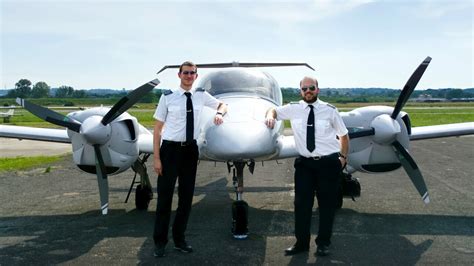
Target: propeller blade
(412, 170)
(49, 115)
(127, 101)
(102, 180)
(238, 64)
(410, 87)
(355, 132)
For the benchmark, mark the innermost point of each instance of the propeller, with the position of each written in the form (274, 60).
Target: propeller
(410, 87)
(92, 130)
(402, 99)
(355, 132)
(238, 64)
(405, 158)
(412, 170)
(128, 101)
(102, 180)
(50, 116)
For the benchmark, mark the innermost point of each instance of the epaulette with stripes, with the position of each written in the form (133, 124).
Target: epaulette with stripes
(294, 102)
(167, 92)
(200, 90)
(330, 105)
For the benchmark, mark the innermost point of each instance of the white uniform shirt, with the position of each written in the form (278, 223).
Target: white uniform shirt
(172, 111)
(328, 124)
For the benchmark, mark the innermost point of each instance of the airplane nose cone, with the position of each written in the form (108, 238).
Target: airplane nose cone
(239, 141)
(93, 130)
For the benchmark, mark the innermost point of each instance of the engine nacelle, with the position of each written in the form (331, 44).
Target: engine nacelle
(375, 153)
(119, 151)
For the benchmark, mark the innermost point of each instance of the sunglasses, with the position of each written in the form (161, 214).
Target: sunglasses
(189, 72)
(311, 88)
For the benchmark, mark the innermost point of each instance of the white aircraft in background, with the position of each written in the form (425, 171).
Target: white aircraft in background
(107, 141)
(6, 115)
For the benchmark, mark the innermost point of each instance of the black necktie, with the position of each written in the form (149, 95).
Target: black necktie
(310, 130)
(189, 118)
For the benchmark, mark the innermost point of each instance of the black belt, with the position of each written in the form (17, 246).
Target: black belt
(179, 143)
(316, 158)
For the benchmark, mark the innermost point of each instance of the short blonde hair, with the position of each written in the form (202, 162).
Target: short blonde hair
(187, 63)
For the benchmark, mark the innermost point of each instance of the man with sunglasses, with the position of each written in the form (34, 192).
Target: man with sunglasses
(322, 141)
(176, 154)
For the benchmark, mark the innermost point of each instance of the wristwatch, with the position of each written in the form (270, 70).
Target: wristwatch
(343, 156)
(220, 113)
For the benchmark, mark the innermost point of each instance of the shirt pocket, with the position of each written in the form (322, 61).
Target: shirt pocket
(197, 111)
(297, 125)
(322, 126)
(175, 111)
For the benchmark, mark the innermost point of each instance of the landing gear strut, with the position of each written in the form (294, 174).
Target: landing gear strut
(239, 207)
(143, 192)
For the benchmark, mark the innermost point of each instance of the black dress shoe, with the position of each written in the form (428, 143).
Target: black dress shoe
(322, 250)
(159, 251)
(183, 247)
(295, 249)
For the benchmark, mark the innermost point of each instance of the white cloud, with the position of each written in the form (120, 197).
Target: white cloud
(440, 8)
(303, 11)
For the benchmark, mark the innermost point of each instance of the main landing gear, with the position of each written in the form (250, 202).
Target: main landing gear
(239, 206)
(143, 192)
(350, 188)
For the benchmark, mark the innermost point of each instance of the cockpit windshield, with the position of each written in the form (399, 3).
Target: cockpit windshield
(241, 81)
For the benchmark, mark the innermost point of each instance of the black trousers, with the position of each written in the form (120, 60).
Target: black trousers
(323, 178)
(179, 162)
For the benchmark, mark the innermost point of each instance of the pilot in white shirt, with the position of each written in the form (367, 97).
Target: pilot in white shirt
(322, 141)
(175, 154)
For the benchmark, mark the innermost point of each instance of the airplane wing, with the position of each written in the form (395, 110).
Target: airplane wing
(286, 147)
(441, 131)
(33, 133)
(145, 141)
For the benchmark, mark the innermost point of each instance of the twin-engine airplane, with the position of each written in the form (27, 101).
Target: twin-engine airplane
(107, 141)
(6, 115)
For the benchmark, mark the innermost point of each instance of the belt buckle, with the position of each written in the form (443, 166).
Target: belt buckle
(316, 158)
(183, 144)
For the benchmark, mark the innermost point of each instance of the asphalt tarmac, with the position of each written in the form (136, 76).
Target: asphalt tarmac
(54, 218)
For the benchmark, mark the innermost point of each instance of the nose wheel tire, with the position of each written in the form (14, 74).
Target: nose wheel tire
(240, 219)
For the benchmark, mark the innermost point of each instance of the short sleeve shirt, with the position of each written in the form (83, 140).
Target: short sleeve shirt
(172, 111)
(329, 124)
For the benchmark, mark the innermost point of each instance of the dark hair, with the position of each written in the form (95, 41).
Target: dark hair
(187, 63)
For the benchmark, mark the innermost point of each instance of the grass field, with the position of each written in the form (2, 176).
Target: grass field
(421, 114)
(21, 163)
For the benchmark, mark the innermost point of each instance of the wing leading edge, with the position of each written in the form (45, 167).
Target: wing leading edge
(441, 131)
(34, 133)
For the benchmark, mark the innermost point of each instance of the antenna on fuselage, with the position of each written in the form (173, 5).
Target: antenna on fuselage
(238, 64)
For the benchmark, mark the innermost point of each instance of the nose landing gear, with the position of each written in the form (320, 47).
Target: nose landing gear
(239, 206)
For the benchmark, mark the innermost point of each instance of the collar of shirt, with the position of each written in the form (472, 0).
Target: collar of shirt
(182, 91)
(315, 104)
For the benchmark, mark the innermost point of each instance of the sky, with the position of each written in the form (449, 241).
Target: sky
(122, 44)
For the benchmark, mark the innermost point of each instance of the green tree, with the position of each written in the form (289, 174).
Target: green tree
(149, 98)
(22, 89)
(64, 92)
(79, 94)
(40, 90)
(454, 93)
